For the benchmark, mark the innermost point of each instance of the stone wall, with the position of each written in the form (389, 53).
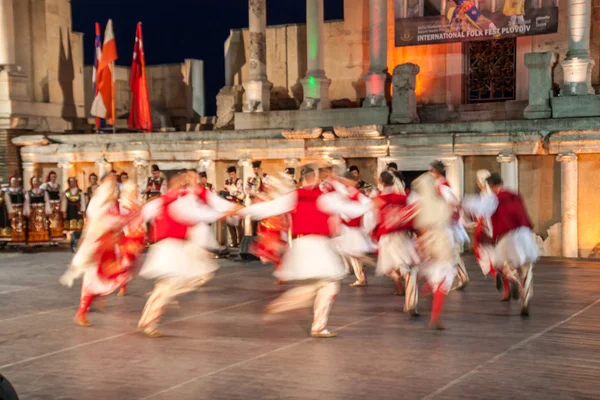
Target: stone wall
(50, 54)
(9, 155)
(472, 164)
(346, 51)
(539, 184)
(588, 203)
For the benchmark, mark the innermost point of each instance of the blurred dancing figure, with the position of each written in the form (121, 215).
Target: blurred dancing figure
(483, 245)
(110, 245)
(273, 232)
(311, 257)
(435, 241)
(515, 247)
(353, 242)
(180, 260)
(398, 256)
(438, 170)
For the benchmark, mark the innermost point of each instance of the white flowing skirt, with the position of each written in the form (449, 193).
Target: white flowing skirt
(397, 251)
(94, 284)
(174, 258)
(352, 242)
(440, 267)
(517, 248)
(311, 257)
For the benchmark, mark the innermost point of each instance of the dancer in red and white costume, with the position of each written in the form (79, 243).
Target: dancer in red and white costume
(110, 246)
(397, 252)
(435, 241)
(515, 247)
(354, 242)
(273, 233)
(180, 260)
(438, 170)
(483, 245)
(311, 257)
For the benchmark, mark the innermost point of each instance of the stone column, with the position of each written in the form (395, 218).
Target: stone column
(509, 170)
(377, 77)
(577, 67)
(7, 33)
(404, 100)
(64, 166)
(455, 173)
(540, 84)
(28, 173)
(141, 173)
(103, 167)
(258, 88)
(568, 160)
(315, 84)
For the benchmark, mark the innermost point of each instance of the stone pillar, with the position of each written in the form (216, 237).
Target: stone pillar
(28, 173)
(568, 160)
(7, 33)
(540, 84)
(315, 84)
(577, 67)
(377, 77)
(455, 174)
(258, 88)
(509, 170)
(141, 173)
(64, 165)
(103, 166)
(404, 99)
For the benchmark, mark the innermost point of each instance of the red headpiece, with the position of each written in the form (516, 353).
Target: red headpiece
(10, 178)
(48, 177)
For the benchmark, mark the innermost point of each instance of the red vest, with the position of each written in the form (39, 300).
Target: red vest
(392, 201)
(509, 215)
(356, 222)
(164, 226)
(307, 219)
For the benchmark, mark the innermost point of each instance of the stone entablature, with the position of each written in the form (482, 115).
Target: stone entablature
(375, 141)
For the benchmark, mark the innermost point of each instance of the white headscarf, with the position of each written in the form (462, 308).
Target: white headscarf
(482, 176)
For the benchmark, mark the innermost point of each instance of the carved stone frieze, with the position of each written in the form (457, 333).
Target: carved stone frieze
(312, 133)
(358, 131)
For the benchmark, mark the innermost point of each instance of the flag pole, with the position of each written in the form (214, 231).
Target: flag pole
(114, 97)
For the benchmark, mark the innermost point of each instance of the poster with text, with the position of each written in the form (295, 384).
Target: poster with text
(439, 21)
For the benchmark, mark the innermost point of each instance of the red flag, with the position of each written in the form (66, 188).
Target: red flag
(104, 103)
(139, 113)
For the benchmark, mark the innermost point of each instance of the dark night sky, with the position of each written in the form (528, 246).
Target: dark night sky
(179, 29)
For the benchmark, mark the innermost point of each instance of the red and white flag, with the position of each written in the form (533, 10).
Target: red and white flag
(104, 103)
(140, 116)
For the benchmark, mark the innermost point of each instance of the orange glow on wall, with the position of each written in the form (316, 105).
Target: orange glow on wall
(432, 60)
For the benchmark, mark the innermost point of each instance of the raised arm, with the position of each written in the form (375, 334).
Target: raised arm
(336, 204)
(266, 209)
(483, 205)
(188, 210)
(219, 204)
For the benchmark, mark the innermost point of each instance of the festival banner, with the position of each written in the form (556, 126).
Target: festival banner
(421, 22)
